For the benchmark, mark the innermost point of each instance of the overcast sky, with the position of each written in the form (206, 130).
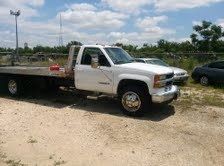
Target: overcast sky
(105, 21)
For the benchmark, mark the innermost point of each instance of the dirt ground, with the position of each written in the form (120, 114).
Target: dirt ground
(64, 130)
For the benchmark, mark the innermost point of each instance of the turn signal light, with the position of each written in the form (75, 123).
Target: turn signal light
(158, 81)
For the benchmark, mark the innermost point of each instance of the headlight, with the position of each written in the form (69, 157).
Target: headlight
(159, 81)
(159, 78)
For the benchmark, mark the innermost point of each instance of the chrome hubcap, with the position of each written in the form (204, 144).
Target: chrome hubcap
(12, 86)
(131, 101)
(204, 80)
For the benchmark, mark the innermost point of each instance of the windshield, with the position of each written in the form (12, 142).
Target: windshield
(157, 62)
(119, 56)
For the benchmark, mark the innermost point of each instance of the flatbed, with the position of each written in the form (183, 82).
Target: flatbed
(33, 71)
(40, 76)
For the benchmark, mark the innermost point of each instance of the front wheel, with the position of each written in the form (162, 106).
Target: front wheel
(133, 101)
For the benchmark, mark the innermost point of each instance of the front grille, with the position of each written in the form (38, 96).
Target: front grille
(169, 76)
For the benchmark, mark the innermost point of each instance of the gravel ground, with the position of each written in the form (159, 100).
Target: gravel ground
(64, 130)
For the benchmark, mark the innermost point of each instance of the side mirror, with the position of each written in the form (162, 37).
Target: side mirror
(94, 61)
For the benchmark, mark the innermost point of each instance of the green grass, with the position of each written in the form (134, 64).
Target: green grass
(215, 87)
(61, 61)
(185, 63)
(3, 62)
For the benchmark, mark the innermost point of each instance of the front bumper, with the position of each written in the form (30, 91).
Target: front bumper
(179, 79)
(168, 96)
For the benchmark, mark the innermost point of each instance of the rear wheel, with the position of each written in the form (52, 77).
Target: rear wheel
(204, 81)
(14, 87)
(133, 101)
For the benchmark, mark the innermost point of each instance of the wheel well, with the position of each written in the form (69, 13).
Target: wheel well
(129, 82)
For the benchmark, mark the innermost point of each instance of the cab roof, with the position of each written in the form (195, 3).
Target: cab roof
(100, 46)
(145, 59)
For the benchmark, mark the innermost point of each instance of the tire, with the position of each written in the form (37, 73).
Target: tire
(140, 101)
(14, 87)
(204, 81)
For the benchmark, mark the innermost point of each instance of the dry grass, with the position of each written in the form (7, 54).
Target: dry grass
(14, 163)
(31, 140)
(59, 162)
(213, 100)
(195, 95)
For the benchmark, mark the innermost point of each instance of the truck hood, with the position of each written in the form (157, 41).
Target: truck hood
(178, 70)
(147, 67)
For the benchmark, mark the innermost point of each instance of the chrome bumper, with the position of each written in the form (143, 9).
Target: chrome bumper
(163, 97)
(181, 78)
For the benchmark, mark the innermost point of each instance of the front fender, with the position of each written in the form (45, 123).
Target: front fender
(136, 77)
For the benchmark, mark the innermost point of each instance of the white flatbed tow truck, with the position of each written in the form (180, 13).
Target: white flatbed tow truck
(99, 69)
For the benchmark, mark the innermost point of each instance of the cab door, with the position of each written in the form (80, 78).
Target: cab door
(94, 79)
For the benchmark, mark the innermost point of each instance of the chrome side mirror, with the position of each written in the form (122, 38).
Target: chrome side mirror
(95, 61)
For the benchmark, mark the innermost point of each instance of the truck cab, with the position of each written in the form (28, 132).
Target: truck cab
(111, 70)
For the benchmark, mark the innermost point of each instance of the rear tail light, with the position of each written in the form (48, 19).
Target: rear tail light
(54, 67)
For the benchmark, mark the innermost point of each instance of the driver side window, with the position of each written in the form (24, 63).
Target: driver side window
(88, 52)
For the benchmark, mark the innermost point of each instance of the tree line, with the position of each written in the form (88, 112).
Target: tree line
(206, 37)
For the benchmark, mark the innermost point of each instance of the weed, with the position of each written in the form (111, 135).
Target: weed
(214, 100)
(51, 157)
(3, 155)
(14, 163)
(31, 140)
(59, 162)
(197, 95)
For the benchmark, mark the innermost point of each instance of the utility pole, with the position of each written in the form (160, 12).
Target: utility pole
(16, 14)
(60, 34)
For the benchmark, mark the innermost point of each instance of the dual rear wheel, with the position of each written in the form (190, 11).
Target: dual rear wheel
(14, 86)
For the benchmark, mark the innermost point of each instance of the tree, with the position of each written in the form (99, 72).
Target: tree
(206, 36)
(119, 45)
(129, 47)
(73, 43)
